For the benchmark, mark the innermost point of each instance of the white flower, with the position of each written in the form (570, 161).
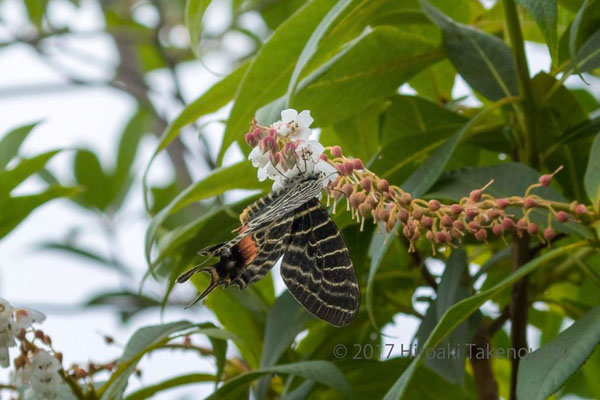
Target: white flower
(327, 172)
(293, 124)
(25, 317)
(309, 149)
(268, 171)
(258, 158)
(7, 332)
(43, 376)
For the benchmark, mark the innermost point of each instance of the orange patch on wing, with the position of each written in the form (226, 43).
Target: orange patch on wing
(248, 249)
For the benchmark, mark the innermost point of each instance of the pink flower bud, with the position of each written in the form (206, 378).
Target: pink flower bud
(340, 169)
(442, 237)
(498, 229)
(476, 195)
(267, 144)
(562, 216)
(383, 214)
(366, 184)
(275, 158)
(580, 209)
(471, 213)
(348, 167)
(532, 228)
(249, 138)
(357, 164)
(383, 185)
(456, 209)
(323, 157)
(403, 215)
(434, 205)
(430, 236)
(348, 189)
(459, 226)
(508, 224)
(417, 213)
(529, 203)
(522, 224)
(364, 208)
(474, 226)
(427, 222)
(502, 204)
(405, 198)
(446, 221)
(545, 180)
(549, 233)
(373, 199)
(336, 151)
(272, 132)
(481, 235)
(289, 149)
(356, 199)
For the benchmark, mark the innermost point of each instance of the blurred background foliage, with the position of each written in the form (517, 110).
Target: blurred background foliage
(380, 78)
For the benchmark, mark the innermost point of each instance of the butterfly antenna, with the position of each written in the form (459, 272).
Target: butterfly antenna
(214, 282)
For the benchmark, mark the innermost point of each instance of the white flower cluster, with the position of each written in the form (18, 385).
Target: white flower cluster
(301, 154)
(12, 320)
(40, 374)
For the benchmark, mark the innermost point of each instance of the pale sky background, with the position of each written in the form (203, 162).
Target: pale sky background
(93, 117)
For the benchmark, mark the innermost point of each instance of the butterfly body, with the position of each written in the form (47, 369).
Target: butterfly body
(316, 265)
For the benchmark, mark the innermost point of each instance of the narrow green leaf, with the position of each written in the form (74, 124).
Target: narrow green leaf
(121, 179)
(311, 46)
(11, 143)
(545, 14)
(483, 60)
(322, 372)
(544, 371)
(463, 309)
(151, 390)
(89, 174)
(591, 180)
(574, 30)
(89, 255)
(10, 179)
(212, 100)
(238, 176)
(20, 207)
(269, 73)
(194, 12)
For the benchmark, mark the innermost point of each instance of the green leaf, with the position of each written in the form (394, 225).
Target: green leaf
(545, 14)
(194, 12)
(414, 115)
(237, 176)
(436, 82)
(591, 180)
(370, 69)
(483, 60)
(269, 73)
(450, 290)
(89, 174)
(310, 48)
(544, 371)
(121, 178)
(36, 9)
(86, 254)
(588, 56)
(285, 320)
(10, 179)
(463, 309)
(21, 206)
(143, 341)
(11, 143)
(151, 390)
(322, 372)
(428, 173)
(212, 100)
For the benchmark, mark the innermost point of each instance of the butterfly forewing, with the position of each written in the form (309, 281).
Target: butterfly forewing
(317, 268)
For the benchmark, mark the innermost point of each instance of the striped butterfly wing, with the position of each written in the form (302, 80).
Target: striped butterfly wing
(317, 268)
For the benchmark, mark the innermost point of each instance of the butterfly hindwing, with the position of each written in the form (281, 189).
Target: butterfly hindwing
(317, 268)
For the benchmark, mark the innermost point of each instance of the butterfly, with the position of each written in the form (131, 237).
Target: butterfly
(316, 265)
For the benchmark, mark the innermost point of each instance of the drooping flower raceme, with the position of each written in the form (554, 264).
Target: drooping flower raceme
(43, 377)
(288, 148)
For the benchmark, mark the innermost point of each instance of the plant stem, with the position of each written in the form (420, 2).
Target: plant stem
(530, 150)
(519, 307)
